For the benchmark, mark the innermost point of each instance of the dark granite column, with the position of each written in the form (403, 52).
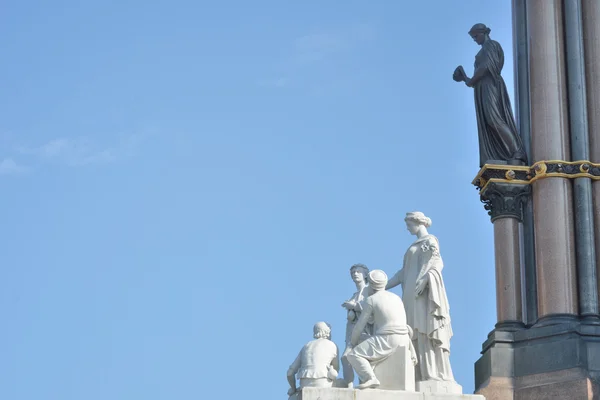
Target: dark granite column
(522, 113)
(580, 150)
(552, 197)
(591, 42)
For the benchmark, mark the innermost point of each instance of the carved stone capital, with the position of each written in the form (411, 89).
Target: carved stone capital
(505, 200)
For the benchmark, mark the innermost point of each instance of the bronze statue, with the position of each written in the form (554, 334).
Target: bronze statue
(498, 137)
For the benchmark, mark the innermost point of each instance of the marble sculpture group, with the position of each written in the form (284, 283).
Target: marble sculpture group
(411, 334)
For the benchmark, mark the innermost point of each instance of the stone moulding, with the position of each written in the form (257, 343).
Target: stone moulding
(526, 175)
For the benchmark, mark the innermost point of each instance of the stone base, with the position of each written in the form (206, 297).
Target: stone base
(376, 394)
(560, 361)
(397, 371)
(439, 387)
(566, 384)
(498, 388)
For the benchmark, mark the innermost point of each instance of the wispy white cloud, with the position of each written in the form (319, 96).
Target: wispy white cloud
(72, 152)
(8, 166)
(306, 54)
(82, 150)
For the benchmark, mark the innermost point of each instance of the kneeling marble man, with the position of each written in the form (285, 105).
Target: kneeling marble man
(390, 331)
(317, 364)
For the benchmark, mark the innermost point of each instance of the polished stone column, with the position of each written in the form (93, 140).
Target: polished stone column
(508, 273)
(505, 201)
(552, 197)
(591, 44)
(580, 150)
(522, 113)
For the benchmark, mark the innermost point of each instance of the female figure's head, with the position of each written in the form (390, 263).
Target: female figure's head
(480, 33)
(417, 223)
(359, 273)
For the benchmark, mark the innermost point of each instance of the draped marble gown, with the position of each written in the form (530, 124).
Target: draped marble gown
(428, 313)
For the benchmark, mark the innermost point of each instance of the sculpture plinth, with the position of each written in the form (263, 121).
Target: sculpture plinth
(375, 394)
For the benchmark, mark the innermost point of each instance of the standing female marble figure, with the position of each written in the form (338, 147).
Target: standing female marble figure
(498, 137)
(353, 306)
(425, 301)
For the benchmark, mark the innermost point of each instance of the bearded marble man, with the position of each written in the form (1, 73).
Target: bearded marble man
(386, 311)
(317, 364)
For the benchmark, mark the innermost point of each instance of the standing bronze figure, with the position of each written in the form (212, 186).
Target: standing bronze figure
(498, 137)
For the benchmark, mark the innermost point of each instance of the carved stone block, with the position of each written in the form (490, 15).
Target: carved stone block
(397, 371)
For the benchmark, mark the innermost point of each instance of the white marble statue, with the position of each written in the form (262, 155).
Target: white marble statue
(425, 301)
(317, 364)
(390, 331)
(359, 274)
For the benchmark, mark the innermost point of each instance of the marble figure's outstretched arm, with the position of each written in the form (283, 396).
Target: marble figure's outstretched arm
(396, 280)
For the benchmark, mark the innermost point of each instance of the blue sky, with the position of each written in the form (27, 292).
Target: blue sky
(186, 184)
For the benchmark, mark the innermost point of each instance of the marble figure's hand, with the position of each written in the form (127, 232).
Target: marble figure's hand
(291, 391)
(349, 305)
(420, 286)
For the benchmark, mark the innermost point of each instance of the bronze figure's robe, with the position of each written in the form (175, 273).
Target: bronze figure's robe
(498, 137)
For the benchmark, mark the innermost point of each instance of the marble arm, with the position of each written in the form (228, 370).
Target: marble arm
(292, 381)
(335, 363)
(396, 280)
(292, 370)
(361, 323)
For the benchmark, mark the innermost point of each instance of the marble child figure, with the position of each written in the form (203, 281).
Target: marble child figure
(425, 301)
(386, 311)
(359, 274)
(317, 363)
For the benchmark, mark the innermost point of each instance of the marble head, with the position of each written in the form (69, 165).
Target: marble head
(415, 219)
(322, 330)
(359, 273)
(377, 280)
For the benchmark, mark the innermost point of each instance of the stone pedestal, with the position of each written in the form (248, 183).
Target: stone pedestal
(397, 371)
(548, 362)
(375, 394)
(440, 387)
